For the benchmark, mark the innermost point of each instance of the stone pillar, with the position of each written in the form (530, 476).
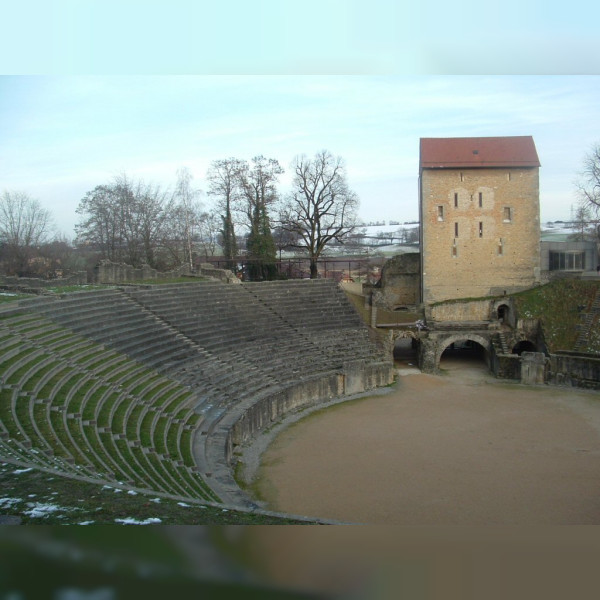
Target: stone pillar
(532, 368)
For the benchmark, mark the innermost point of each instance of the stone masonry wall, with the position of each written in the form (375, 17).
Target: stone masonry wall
(474, 251)
(574, 370)
(110, 272)
(399, 284)
(474, 310)
(34, 283)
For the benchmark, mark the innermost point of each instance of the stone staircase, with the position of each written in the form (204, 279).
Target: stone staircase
(501, 338)
(590, 321)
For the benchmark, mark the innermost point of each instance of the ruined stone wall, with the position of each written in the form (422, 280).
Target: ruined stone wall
(400, 282)
(473, 310)
(577, 370)
(34, 283)
(480, 232)
(109, 272)
(224, 275)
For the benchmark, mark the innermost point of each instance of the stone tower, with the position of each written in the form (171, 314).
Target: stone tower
(479, 216)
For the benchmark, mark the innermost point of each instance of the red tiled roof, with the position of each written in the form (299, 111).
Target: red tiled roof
(515, 151)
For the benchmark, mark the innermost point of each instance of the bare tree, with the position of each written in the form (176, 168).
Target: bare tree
(321, 210)
(124, 220)
(588, 183)
(24, 224)
(223, 178)
(208, 231)
(186, 197)
(581, 218)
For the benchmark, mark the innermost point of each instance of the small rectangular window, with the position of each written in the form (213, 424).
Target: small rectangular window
(461, 177)
(455, 200)
(508, 176)
(480, 199)
(455, 230)
(454, 250)
(500, 247)
(507, 216)
(440, 213)
(480, 229)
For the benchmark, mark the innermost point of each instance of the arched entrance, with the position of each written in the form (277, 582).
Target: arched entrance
(457, 352)
(406, 347)
(502, 313)
(524, 346)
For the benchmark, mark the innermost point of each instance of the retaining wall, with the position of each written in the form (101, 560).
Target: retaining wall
(576, 370)
(110, 273)
(242, 423)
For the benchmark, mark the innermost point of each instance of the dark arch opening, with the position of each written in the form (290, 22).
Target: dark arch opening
(503, 311)
(524, 346)
(406, 352)
(464, 353)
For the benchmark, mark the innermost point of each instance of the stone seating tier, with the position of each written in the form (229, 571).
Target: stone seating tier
(91, 413)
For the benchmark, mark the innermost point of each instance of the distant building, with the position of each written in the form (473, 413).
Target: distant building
(562, 256)
(479, 216)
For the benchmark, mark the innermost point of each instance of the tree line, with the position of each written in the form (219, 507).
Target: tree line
(136, 222)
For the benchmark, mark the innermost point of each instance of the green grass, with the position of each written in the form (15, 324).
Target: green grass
(6, 297)
(83, 501)
(558, 305)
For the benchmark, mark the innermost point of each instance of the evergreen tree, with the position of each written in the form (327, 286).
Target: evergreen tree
(259, 191)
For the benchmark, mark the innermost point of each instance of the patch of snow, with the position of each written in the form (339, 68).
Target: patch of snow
(131, 521)
(183, 504)
(8, 502)
(132, 493)
(38, 510)
(19, 471)
(156, 500)
(86, 523)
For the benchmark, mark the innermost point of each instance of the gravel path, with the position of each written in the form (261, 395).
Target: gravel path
(456, 449)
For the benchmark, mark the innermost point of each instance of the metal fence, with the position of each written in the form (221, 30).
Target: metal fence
(339, 269)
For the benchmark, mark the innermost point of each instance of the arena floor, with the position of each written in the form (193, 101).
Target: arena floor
(455, 449)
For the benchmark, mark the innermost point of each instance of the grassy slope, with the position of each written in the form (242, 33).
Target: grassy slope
(47, 499)
(559, 305)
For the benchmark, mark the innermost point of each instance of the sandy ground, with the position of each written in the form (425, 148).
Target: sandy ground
(456, 449)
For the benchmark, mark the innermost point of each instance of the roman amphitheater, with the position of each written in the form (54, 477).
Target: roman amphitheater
(163, 388)
(488, 414)
(153, 387)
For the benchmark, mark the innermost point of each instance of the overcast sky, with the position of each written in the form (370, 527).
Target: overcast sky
(78, 105)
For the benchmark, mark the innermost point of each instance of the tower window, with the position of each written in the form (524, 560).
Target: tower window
(462, 177)
(480, 229)
(480, 199)
(500, 247)
(455, 230)
(440, 213)
(455, 200)
(454, 249)
(507, 214)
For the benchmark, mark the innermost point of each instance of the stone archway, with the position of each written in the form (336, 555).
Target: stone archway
(405, 347)
(466, 340)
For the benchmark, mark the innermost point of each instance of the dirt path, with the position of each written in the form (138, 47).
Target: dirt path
(458, 449)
